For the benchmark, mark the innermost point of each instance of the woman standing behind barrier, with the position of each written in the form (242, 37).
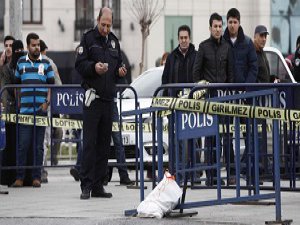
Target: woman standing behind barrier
(9, 104)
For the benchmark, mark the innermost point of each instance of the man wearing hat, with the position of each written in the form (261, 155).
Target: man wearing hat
(260, 38)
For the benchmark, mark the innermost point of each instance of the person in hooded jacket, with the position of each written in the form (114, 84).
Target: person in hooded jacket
(9, 104)
(244, 55)
(244, 67)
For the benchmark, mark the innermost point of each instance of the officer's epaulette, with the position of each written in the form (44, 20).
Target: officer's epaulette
(113, 36)
(89, 30)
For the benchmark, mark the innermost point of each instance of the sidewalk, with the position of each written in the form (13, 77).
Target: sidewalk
(58, 203)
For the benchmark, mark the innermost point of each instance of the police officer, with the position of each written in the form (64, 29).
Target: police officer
(99, 62)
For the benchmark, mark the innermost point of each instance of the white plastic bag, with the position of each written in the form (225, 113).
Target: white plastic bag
(162, 199)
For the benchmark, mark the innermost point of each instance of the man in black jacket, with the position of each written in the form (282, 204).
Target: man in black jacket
(214, 60)
(297, 61)
(99, 62)
(260, 39)
(179, 64)
(213, 63)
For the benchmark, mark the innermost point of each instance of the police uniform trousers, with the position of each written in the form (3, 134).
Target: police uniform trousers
(97, 129)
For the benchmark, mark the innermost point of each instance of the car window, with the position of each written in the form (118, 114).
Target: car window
(145, 85)
(277, 68)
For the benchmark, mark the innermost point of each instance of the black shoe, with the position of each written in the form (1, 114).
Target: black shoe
(74, 173)
(100, 193)
(126, 181)
(85, 194)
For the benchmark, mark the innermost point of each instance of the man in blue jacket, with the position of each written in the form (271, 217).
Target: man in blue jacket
(244, 55)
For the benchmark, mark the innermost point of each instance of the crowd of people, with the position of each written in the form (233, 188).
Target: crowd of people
(225, 57)
(35, 67)
(229, 57)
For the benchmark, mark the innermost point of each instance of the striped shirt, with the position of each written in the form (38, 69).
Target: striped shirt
(33, 72)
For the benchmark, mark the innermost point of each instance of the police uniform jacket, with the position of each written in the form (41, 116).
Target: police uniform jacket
(214, 62)
(95, 48)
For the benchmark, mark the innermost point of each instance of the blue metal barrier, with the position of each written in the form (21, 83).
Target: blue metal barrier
(185, 165)
(68, 100)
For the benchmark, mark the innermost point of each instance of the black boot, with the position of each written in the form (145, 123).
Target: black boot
(100, 193)
(85, 194)
(126, 181)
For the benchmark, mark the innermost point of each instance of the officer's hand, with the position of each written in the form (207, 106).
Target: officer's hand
(101, 68)
(122, 71)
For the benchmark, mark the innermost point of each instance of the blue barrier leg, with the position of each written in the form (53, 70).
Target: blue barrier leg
(160, 148)
(177, 157)
(218, 167)
(237, 156)
(276, 144)
(142, 193)
(256, 158)
(171, 143)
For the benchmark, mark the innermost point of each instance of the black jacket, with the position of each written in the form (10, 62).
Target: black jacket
(244, 57)
(96, 48)
(7, 77)
(263, 75)
(179, 68)
(214, 62)
(297, 65)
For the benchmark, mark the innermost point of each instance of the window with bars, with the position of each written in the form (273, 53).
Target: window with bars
(32, 11)
(115, 5)
(84, 17)
(2, 9)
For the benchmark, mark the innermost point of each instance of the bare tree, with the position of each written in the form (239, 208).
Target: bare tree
(146, 12)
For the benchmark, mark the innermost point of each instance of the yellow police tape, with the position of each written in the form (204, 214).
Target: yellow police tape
(77, 124)
(201, 106)
(227, 109)
(69, 123)
(42, 121)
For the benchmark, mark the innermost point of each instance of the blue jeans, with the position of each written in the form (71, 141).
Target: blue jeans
(30, 142)
(119, 148)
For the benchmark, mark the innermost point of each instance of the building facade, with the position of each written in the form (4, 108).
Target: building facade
(61, 23)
